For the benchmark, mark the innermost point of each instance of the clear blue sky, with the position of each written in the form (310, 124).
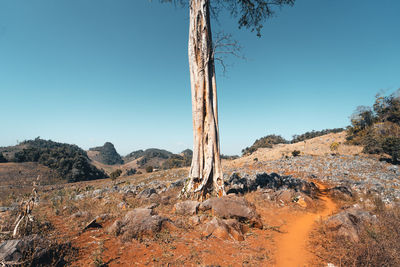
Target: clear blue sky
(91, 71)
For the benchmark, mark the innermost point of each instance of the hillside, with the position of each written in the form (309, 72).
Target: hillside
(318, 146)
(70, 162)
(286, 203)
(105, 154)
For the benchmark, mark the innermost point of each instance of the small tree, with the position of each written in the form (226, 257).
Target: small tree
(149, 169)
(115, 174)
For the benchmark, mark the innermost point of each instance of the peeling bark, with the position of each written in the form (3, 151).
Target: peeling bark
(206, 178)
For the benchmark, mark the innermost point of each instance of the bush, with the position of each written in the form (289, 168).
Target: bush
(334, 147)
(391, 146)
(149, 169)
(2, 158)
(115, 174)
(131, 171)
(296, 153)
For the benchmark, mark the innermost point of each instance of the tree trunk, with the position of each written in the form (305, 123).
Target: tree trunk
(206, 178)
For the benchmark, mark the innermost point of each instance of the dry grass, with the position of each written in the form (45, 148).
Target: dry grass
(378, 245)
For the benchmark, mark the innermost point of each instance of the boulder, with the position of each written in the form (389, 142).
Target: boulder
(223, 229)
(188, 207)
(348, 223)
(138, 223)
(12, 250)
(232, 207)
(36, 251)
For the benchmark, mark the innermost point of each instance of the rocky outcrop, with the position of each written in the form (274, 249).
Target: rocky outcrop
(348, 223)
(240, 185)
(138, 223)
(232, 207)
(188, 207)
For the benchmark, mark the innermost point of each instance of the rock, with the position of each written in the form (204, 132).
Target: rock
(138, 223)
(11, 250)
(341, 192)
(238, 185)
(92, 224)
(348, 223)
(146, 193)
(285, 196)
(122, 205)
(38, 251)
(223, 229)
(232, 207)
(79, 214)
(188, 207)
(178, 183)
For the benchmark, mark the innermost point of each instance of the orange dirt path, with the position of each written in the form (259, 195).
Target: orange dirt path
(291, 246)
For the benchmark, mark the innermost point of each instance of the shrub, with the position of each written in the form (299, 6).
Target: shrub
(391, 146)
(131, 171)
(334, 147)
(2, 158)
(115, 174)
(149, 169)
(378, 245)
(296, 153)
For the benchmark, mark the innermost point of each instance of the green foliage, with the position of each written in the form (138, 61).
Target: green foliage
(391, 146)
(107, 154)
(251, 14)
(296, 153)
(377, 128)
(146, 155)
(115, 174)
(313, 134)
(334, 146)
(149, 169)
(70, 161)
(265, 142)
(131, 171)
(2, 158)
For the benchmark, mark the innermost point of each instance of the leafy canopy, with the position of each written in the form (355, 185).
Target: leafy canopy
(251, 14)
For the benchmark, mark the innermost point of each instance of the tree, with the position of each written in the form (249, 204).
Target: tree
(391, 146)
(205, 176)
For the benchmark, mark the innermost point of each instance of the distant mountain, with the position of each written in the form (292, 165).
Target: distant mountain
(159, 158)
(69, 161)
(106, 154)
